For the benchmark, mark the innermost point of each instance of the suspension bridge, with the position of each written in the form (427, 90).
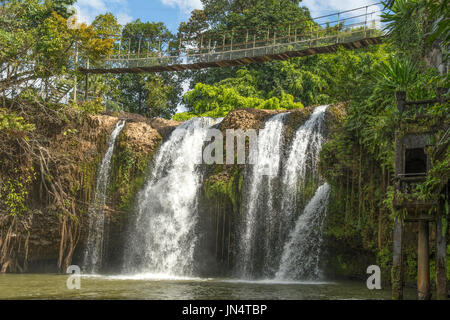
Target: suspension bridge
(351, 29)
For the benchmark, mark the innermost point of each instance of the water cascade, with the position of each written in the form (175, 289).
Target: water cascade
(300, 252)
(300, 258)
(301, 163)
(275, 204)
(164, 236)
(259, 199)
(92, 259)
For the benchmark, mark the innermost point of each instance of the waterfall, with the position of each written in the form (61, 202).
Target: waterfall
(92, 259)
(300, 258)
(302, 160)
(164, 235)
(259, 198)
(300, 252)
(273, 203)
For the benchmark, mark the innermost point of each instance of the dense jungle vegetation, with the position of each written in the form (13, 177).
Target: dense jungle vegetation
(40, 55)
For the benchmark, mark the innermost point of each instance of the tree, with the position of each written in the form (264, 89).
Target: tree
(145, 36)
(36, 44)
(106, 26)
(241, 18)
(406, 26)
(156, 95)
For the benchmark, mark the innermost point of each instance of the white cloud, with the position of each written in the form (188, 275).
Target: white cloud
(123, 18)
(319, 8)
(186, 6)
(87, 10)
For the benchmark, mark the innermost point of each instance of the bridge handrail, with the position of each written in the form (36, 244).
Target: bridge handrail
(270, 43)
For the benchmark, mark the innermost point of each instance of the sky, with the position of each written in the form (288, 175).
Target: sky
(172, 12)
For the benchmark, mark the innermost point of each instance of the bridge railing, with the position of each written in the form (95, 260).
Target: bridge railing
(341, 27)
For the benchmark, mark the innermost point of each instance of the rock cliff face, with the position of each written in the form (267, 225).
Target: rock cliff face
(45, 229)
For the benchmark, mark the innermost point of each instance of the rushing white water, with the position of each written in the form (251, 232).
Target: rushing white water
(300, 258)
(298, 177)
(259, 199)
(92, 259)
(303, 158)
(165, 235)
(273, 204)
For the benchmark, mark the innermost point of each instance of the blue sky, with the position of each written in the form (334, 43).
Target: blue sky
(172, 12)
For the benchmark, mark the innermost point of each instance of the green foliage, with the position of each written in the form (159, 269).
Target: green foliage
(183, 116)
(12, 124)
(225, 186)
(106, 26)
(396, 74)
(438, 176)
(440, 15)
(158, 98)
(154, 95)
(14, 191)
(406, 25)
(91, 107)
(129, 173)
(262, 14)
(217, 101)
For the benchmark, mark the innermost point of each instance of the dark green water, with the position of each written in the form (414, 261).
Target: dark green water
(145, 287)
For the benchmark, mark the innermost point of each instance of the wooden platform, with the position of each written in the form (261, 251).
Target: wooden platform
(242, 61)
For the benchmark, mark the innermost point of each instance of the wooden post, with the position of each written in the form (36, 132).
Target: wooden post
(441, 256)
(401, 100)
(397, 264)
(423, 263)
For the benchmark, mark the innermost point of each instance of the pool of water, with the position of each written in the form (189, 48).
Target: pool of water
(160, 287)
